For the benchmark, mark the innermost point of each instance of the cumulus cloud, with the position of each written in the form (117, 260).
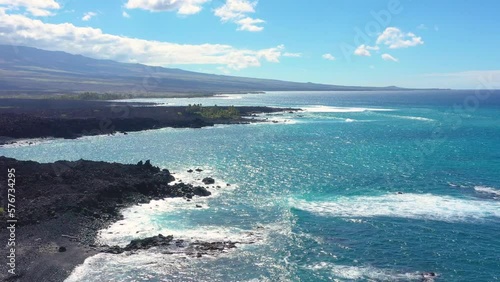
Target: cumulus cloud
(329, 57)
(395, 38)
(39, 8)
(364, 50)
(392, 37)
(87, 16)
(388, 57)
(237, 11)
(21, 30)
(250, 24)
(125, 15)
(182, 7)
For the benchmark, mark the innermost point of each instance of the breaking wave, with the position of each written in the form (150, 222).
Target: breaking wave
(416, 206)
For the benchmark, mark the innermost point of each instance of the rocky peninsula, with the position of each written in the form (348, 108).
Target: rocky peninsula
(35, 118)
(61, 206)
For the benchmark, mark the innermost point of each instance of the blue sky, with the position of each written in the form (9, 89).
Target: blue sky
(446, 43)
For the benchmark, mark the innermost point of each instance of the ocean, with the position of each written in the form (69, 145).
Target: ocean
(360, 186)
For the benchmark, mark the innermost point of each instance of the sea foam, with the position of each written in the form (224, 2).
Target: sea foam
(142, 220)
(364, 272)
(416, 206)
(328, 109)
(411, 118)
(487, 190)
(147, 220)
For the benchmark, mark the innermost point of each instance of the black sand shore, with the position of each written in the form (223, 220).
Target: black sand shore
(61, 206)
(25, 119)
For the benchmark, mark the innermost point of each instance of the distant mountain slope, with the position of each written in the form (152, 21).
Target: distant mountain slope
(26, 69)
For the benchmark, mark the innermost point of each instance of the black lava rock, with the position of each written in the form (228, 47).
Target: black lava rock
(208, 180)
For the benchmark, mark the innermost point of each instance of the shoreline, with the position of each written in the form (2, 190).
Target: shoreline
(64, 205)
(27, 119)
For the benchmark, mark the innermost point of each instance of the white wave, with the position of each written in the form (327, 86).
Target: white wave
(365, 272)
(176, 264)
(27, 142)
(283, 121)
(487, 190)
(416, 206)
(328, 109)
(142, 266)
(349, 120)
(411, 118)
(275, 120)
(139, 221)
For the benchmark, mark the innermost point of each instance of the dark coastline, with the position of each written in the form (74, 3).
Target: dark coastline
(62, 205)
(69, 119)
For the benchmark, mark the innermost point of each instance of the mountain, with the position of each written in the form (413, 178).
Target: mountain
(31, 70)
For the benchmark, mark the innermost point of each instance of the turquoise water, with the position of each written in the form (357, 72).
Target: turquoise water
(317, 193)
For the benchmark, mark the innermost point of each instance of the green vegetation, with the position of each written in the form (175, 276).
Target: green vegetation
(102, 96)
(93, 96)
(214, 112)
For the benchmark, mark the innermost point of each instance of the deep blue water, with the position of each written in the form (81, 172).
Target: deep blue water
(318, 192)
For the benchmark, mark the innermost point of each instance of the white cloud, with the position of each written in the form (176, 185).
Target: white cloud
(250, 24)
(388, 57)
(92, 42)
(293, 55)
(237, 11)
(364, 50)
(182, 7)
(125, 15)
(395, 38)
(40, 12)
(87, 16)
(272, 54)
(329, 57)
(38, 8)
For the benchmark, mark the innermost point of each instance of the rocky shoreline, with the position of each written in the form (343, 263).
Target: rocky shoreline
(61, 207)
(28, 119)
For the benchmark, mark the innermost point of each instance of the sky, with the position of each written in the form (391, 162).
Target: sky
(424, 43)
